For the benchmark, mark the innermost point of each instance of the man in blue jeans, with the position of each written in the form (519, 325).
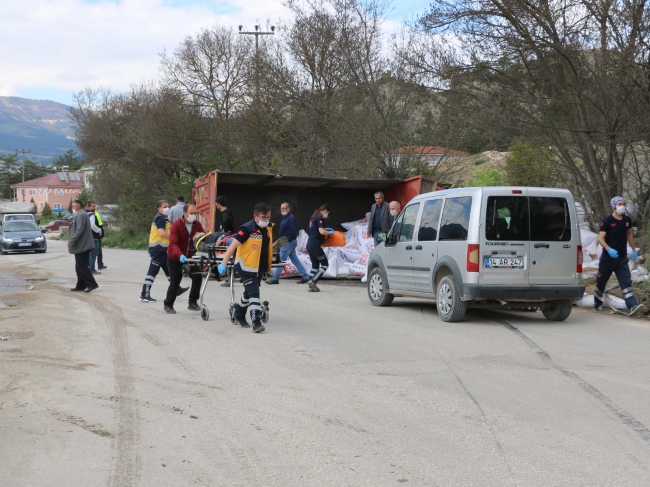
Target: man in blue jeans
(97, 234)
(289, 229)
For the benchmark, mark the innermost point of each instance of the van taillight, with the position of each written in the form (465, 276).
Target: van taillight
(579, 266)
(472, 257)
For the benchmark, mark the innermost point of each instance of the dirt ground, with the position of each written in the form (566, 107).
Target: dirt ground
(642, 293)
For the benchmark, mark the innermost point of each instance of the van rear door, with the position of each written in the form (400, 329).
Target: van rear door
(553, 237)
(505, 246)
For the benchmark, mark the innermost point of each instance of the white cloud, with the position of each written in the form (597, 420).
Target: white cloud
(71, 44)
(7, 90)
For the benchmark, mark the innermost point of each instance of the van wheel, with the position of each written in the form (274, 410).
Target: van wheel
(450, 306)
(377, 286)
(558, 310)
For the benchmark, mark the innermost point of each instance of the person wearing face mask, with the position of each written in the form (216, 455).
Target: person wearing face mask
(289, 229)
(227, 216)
(180, 248)
(158, 243)
(80, 244)
(614, 235)
(317, 232)
(379, 217)
(395, 208)
(253, 258)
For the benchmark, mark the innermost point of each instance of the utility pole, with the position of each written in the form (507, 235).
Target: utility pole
(23, 152)
(257, 33)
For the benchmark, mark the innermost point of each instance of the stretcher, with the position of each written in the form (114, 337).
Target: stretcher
(206, 264)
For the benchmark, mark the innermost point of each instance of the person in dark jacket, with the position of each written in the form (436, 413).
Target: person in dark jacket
(614, 235)
(97, 235)
(179, 249)
(379, 217)
(80, 243)
(289, 229)
(100, 253)
(227, 216)
(317, 232)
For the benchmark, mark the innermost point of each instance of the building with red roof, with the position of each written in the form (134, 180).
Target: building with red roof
(56, 189)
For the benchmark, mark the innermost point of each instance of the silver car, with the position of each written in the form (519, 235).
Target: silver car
(494, 247)
(21, 236)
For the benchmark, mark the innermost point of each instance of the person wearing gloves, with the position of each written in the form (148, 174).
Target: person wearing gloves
(317, 232)
(180, 248)
(253, 258)
(289, 229)
(158, 243)
(614, 235)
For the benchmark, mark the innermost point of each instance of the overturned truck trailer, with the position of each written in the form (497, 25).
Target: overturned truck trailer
(350, 199)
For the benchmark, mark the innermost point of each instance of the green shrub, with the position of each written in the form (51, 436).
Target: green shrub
(489, 177)
(122, 239)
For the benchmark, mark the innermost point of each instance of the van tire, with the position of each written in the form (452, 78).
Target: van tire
(558, 310)
(450, 307)
(377, 287)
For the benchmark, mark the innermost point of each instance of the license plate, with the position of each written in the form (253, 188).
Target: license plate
(27, 244)
(504, 262)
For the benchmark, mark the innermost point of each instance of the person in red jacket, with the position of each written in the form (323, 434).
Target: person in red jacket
(179, 250)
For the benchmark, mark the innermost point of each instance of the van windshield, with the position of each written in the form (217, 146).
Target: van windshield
(522, 218)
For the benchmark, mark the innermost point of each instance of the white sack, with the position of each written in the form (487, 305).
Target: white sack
(351, 225)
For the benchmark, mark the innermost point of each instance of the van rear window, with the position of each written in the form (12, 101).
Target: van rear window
(507, 218)
(550, 219)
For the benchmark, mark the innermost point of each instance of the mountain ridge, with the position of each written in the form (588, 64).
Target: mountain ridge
(40, 125)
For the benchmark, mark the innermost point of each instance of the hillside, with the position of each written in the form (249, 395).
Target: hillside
(40, 125)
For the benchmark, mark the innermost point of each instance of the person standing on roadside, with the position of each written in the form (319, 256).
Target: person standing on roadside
(100, 253)
(289, 229)
(97, 234)
(317, 232)
(379, 217)
(227, 216)
(614, 235)
(395, 208)
(254, 258)
(158, 243)
(80, 243)
(180, 248)
(176, 211)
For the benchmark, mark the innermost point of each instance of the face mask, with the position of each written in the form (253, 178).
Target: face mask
(620, 210)
(394, 213)
(326, 215)
(74, 212)
(262, 224)
(191, 218)
(165, 211)
(284, 213)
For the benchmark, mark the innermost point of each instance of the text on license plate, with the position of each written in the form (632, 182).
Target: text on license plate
(507, 262)
(28, 244)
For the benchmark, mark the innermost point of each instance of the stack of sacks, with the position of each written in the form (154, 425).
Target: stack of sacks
(351, 260)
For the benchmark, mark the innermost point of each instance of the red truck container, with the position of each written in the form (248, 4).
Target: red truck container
(349, 199)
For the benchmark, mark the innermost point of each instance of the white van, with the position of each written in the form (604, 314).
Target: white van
(493, 247)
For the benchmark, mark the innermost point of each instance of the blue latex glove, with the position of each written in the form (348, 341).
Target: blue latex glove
(222, 269)
(183, 259)
(612, 253)
(331, 230)
(634, 255)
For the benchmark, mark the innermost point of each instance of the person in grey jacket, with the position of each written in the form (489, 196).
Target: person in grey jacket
(379, 217)
(176, 211)
(80, 243)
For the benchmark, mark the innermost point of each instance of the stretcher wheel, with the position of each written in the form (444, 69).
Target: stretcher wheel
(185, 270)
(205, 313)
(232, 314)
(265, 315)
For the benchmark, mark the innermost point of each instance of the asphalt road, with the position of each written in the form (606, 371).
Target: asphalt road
(100, 389)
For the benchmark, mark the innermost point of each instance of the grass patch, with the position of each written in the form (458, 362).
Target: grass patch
(126, 240)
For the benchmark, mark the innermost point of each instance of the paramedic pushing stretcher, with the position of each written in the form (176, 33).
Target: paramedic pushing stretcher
(254, 257)
(615, 232)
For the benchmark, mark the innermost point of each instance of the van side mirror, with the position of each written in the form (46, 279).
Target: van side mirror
(381, 237)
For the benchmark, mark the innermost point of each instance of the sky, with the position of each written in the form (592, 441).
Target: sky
(54, 48)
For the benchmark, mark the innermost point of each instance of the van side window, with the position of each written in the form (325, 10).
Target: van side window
(428, 231)
(506, 218)
(550, 219)
(404, 227)
(455, 218)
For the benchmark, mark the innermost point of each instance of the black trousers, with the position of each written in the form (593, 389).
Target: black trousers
(250, 299)
(100, 255)
(621, 268)
(319, 263)
(175, 269)
(85, 278)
